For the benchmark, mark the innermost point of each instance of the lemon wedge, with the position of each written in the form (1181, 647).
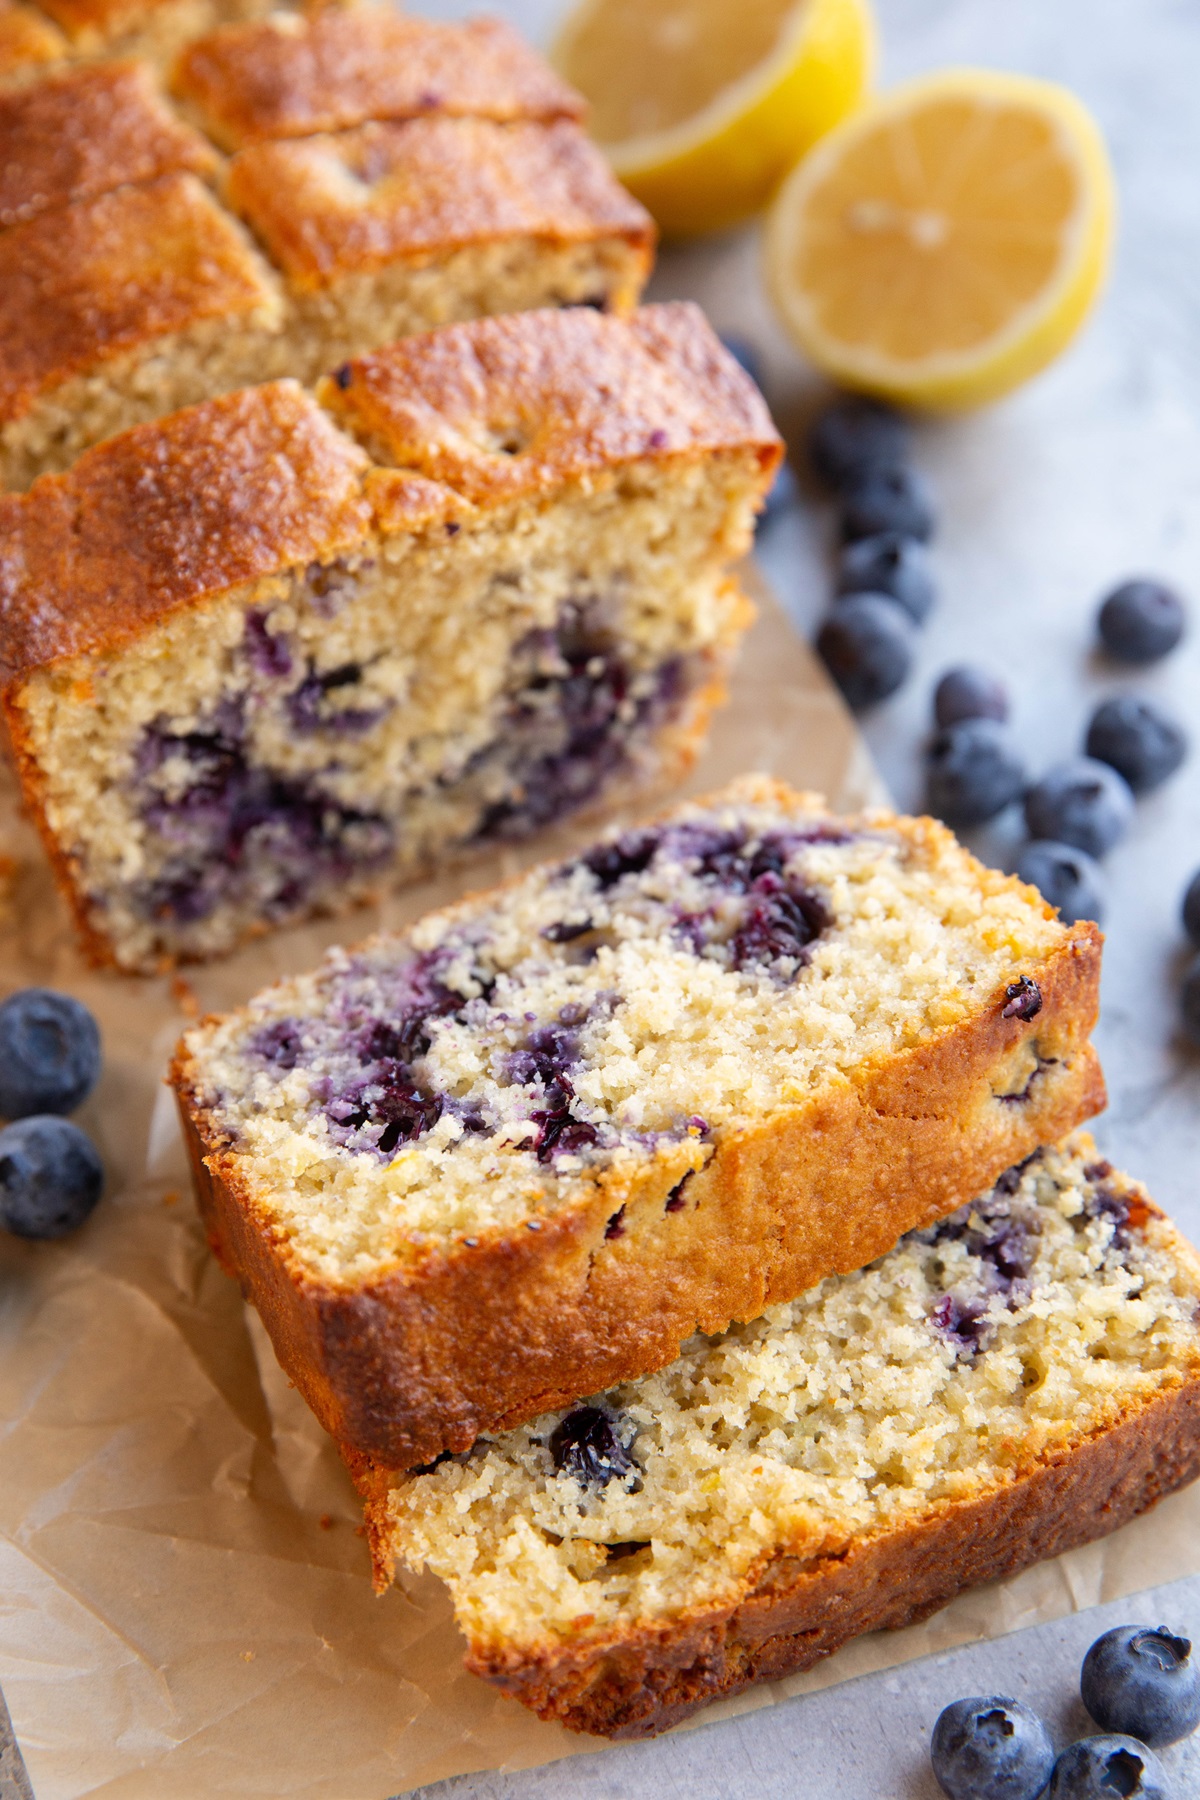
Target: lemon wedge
(702, 106)
(948, 241)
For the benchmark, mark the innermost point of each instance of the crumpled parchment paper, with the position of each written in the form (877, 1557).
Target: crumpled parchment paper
(185, 1601)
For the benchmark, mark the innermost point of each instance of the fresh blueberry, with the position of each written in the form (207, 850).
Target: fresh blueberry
(991, 1748)
(1142, 1681)
(50, 1177)
(878, 499)
(1138, 739)
(854, 433)
(1080, 802)
(1101, 1768)
(585, 1444)
(969, 693)
(781, 494)
(744, 352)
(1067, 878)
(1189, 999)
(892, 565)
(974, 771)
(867, 643)
(1141, 621)
(1191, 909)
(49, 1053)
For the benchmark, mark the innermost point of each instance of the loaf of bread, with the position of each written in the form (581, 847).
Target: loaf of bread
(129, 289)
(1019, 1379)
(526, 1149)
(249, 673)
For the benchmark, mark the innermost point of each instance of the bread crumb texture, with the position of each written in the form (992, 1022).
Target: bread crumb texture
(1044, 1313)
(634, 1004)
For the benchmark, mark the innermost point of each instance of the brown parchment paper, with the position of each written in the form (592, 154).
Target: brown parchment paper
(185, 1605)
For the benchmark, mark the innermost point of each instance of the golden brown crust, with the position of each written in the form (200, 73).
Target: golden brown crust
(94, 23)
(495, 1331)
(803, 1612)
(167, 514)
(86, 132)
(291, 76)
(27, 42)
(497, 408)
(110, 275)
(329, 206)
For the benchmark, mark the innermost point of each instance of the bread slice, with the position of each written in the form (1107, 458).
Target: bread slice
(29, 45)
(249, 674)
(121, 308)
(526, 1149)
(85, 132)
(392, 228)
(1019, 1379)
(293, 74)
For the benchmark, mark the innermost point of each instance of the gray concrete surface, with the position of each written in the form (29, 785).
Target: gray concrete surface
(1091, 474)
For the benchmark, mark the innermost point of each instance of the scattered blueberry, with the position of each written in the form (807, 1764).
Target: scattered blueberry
(744, 353)
(878, 499)
(892, 565)
(781, 494)
(1142, 1681)
(867, 643)
(1191, 909)
(1141, 621)
(991, 1748)
(854, 433)
(969, 693)
(1103, 1768)
(1138, 739)
(1189, 999)
(1080, 802)
(1067, 878)
(49, 1053)
(585, 1444)
(50, 1177)
(974, 771)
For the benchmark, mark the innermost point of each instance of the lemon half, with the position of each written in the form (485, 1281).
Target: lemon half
(948, 241)
(702, 106)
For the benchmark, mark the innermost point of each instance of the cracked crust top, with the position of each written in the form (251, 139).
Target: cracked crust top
(330, 206)
(110, 274)
(291, 76)
(499, 407)
(168, 512)
(86, 132)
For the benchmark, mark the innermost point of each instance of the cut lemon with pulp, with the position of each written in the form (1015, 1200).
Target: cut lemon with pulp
(702, 106)
(948, 241)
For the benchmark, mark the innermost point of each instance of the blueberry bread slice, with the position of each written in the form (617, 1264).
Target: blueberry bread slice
(1021, 1378)
(251, 674)
(526, 1149)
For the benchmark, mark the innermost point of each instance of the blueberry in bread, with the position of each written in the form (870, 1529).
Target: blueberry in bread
(250, 673)
(526, 1149)
(1017, 1379)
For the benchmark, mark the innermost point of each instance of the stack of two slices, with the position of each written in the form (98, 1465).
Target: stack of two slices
(679, 1245)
